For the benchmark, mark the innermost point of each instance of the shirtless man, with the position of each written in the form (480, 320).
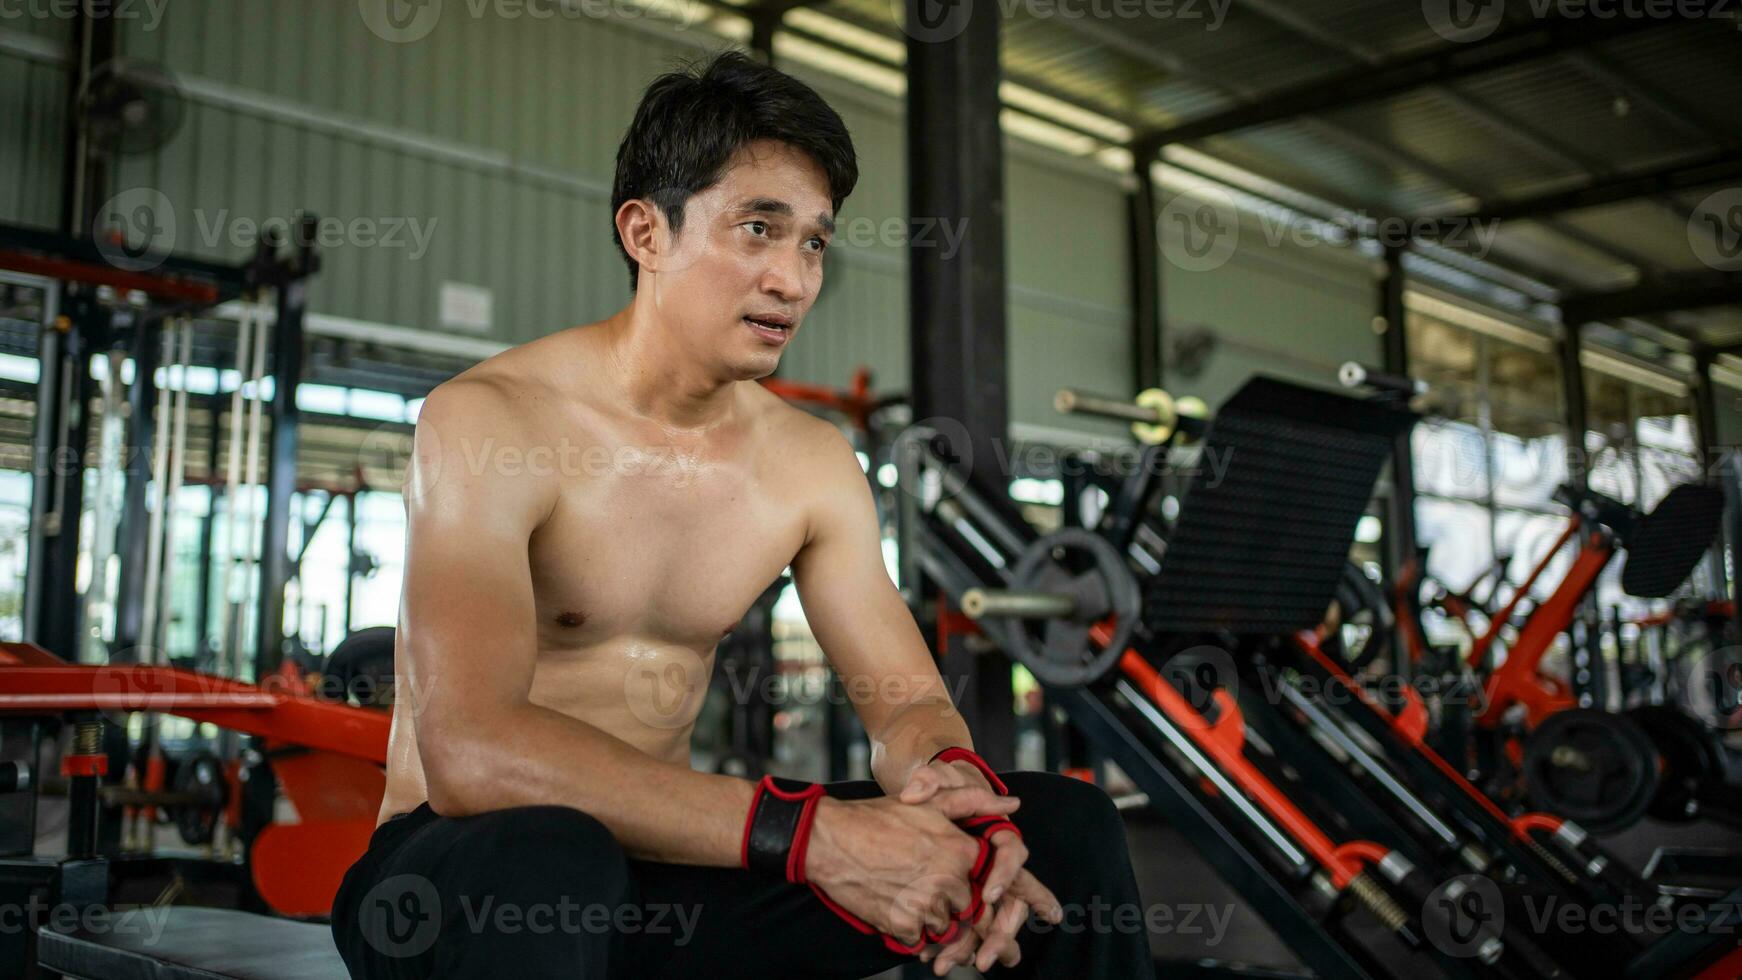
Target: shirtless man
(588, 514)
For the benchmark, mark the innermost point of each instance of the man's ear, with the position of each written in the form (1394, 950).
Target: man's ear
(638, 224)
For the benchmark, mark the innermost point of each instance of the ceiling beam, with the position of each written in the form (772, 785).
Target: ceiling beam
(1687, 292)
(1713, 168)
(1292, 21)
(1509, 46)
(1147, 145)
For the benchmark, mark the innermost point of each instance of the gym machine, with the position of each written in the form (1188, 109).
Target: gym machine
(1188, 655)
(1532, 734)
(108, 306)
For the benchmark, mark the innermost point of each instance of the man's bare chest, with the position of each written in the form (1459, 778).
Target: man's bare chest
(663, 550)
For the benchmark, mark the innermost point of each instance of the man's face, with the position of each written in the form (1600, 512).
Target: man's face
(747, 264)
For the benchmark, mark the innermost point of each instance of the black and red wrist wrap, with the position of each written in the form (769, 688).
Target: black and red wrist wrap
(778, 830)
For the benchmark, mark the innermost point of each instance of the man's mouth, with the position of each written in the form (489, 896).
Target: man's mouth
(773, 328)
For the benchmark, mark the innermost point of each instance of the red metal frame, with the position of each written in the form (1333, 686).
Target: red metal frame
(276, 711)
(1224, 740)
(855, 402)
(151, 283)
(336, 788)
(1411, 723)
(1479, 650)
(1519, 680)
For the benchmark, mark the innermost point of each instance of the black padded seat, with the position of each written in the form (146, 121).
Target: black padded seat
(192, 944)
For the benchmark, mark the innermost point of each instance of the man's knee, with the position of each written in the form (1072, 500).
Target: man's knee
(1076, 816)
(1062, 797)
(547, 852)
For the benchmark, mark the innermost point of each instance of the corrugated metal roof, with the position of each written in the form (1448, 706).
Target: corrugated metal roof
(1660, 92)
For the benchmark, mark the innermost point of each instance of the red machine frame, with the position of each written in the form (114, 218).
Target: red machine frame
(332, 772)
(1519, 680)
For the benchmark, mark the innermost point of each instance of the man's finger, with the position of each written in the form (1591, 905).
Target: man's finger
(1001, 946)
(998, 939)
(961, 949)
(973, 801)
(1038, 896)
(1009, 854)
(921, 785)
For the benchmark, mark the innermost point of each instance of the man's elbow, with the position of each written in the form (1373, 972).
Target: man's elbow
(459, 769)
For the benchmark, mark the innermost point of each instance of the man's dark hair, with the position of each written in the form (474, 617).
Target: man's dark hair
(692, 122)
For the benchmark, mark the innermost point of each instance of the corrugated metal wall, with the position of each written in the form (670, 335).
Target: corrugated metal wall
(1277, 304)
(490, 138)
(33, 96)
(489, 143)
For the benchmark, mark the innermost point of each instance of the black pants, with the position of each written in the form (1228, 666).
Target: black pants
(546, 891)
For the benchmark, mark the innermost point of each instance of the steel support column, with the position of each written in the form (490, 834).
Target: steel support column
(83, 176)
(1394, 358)
(51, 599)
(1710, 452)
(1573, 402)
(276, 564)
(1145, 257)
(133, 527)
(957, 302)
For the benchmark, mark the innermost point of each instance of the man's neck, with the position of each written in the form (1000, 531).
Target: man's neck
(657, 378)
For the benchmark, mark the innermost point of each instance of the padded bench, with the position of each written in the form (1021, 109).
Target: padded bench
(192, 944)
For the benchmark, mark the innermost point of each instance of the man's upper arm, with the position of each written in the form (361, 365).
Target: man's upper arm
(854, 609)
(467, 617)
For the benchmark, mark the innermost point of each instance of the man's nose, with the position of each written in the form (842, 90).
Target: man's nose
(784, 277)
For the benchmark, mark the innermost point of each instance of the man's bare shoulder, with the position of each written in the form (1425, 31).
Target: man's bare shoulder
(508, 395)
(812, 457)
(808, 440)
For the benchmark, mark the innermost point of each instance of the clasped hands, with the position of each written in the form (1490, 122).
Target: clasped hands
(1010, 890)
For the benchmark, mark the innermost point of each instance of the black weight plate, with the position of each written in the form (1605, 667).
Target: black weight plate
(1594, 768)
(360, 669)
(197, 823)
(1690, 753)
(1059, 651)
(1365, 620)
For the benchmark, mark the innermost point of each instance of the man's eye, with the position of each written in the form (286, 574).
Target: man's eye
(817, 245)
(758, 227)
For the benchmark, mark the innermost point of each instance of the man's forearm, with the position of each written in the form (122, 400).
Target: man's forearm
(658, 811)
(919, 731)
